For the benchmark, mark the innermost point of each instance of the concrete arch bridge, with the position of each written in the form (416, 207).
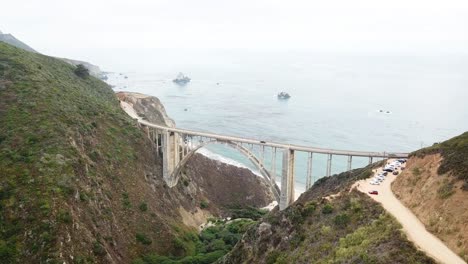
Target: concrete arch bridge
(177, 146)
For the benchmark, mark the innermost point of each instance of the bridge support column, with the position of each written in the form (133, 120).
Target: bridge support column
(170, 149)
(370, 160)
(329, 164)
(309, 181)
(350, 160)
(287, 179)
(273, 167)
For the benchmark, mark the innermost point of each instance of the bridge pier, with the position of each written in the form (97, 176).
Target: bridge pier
(170, 147)
(350, 160)
(329, 164)
(287, 179)
(309, 181)
(273, 166)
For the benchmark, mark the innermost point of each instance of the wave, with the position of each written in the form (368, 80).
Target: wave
(214, 156)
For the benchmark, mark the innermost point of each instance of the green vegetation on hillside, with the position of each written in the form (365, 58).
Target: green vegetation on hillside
(72, 169)
(46, 115)
(350, 228)
(210, 245)
(455, 154)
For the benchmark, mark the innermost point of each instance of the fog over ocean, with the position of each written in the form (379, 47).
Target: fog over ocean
(336, 98)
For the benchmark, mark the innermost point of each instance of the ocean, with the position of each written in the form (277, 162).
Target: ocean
(370, 102)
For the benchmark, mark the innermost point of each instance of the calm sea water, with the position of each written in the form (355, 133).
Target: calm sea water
(335, 100)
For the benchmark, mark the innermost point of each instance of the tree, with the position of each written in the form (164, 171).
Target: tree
(81, 71)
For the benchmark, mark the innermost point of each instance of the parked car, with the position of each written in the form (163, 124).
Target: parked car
(395, 173)
(402, 160)
(375, 183)
(374, 192)
(388, 169)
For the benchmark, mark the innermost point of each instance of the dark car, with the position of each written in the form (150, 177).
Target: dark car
(374, 192)
(385, 173)
(388, 170)
(395, 173)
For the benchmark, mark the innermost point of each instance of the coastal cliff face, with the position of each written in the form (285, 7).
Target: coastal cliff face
(434, 186)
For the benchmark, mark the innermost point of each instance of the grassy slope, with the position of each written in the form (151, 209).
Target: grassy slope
(348, 229)
(455, 154)
(74, 170)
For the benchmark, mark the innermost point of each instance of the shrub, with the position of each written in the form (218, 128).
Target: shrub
(309, 208)
(272, 257)
(143, 207)
(327, 209)
(81, 71)
(446, 190)
(341, 220)
(98, 249)
(143, 239)
(203, 204)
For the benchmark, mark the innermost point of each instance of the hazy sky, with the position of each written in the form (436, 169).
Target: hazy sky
(62, 27)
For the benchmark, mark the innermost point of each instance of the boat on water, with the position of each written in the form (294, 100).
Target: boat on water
(181, 79)
(283, 96)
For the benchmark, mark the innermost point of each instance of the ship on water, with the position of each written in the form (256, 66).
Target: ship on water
(181, 79)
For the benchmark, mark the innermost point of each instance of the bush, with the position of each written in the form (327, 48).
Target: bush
(309, 208)
(327, 209)
(98, 249)
(446, 190)
(143, 207)
(272, 257)
(81, 71)
(249, 212)
(143, 239)
(341, 220)
(203, 204)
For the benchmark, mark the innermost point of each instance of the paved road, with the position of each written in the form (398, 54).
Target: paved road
(413, 228)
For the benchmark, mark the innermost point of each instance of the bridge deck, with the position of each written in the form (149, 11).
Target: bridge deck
(277, 145)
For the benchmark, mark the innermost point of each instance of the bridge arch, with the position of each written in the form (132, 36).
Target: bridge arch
(267, 177)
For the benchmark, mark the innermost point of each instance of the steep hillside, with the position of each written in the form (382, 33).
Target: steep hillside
(434, 186)
(322, 227)
(79, 180)
(10, 39)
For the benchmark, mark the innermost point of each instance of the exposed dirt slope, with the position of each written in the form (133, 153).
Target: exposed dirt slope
(439, 201)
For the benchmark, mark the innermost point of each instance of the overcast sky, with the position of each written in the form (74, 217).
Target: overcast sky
(59, 27)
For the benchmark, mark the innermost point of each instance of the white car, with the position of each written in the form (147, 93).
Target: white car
(374, 183)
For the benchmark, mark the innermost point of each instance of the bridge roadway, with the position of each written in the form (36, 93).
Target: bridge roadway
(277, 145)
(176, 151)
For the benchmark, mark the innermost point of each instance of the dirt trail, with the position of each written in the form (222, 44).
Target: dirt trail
(413, 228)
